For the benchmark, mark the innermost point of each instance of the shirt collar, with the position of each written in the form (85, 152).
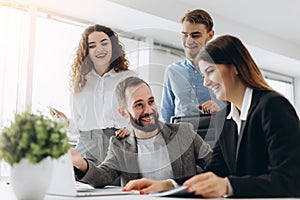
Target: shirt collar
(245, 106)
(190, 64)
(93, 72)
(188, 61)
(109, 73)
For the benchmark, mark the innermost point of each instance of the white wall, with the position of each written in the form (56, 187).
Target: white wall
(160, 58)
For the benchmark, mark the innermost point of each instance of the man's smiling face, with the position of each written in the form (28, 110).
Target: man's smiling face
(141, 108)
(194, 37)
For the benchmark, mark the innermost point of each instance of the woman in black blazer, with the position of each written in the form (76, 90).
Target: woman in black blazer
(258, 151)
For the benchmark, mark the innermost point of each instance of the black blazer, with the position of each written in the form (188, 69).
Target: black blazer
(264, 160)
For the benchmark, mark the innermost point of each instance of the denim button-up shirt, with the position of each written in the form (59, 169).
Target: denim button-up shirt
(183, 90)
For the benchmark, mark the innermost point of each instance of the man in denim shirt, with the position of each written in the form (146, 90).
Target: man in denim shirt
(183, 92)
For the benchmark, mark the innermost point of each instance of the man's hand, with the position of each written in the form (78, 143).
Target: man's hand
(208, 185)
(145, 185)
(78, 161)
(209, 107)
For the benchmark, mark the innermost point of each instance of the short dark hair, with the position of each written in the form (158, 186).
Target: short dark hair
(199, 16)
(120, 90)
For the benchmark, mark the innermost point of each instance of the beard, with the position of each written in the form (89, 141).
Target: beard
(137, 123)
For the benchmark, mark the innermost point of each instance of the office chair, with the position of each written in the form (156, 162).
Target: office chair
(204, 125)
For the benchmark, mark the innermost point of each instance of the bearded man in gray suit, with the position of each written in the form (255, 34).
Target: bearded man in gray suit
(161, 151)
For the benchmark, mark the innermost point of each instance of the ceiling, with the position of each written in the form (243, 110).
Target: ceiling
(269, 28)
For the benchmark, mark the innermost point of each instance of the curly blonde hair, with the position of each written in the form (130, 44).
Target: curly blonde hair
(82, 63)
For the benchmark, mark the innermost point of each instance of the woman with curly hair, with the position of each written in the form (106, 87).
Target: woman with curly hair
(99, 64)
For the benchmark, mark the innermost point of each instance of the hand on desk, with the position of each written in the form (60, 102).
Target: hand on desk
(78, 161)
(208, 185)
(145, 185)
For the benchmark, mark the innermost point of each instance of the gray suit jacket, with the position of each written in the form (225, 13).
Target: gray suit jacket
(186, 151)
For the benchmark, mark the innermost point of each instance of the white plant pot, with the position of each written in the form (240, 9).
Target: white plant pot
(31, 181)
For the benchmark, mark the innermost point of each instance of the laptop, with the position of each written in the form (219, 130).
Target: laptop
(63, 182)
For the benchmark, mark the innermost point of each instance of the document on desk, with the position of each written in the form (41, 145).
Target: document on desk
(176, 192)
(107, 191)
(83, 189)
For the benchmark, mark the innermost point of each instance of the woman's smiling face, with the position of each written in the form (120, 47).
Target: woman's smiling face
(220, 78)
(100, 48)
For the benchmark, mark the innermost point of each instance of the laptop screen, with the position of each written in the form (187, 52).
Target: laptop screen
(63, 181)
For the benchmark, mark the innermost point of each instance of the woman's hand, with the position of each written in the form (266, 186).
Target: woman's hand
(208, 185)
(122, 133)
(58, 114)
(145, 185)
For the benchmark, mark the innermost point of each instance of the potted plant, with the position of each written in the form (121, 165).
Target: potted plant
(28, 145)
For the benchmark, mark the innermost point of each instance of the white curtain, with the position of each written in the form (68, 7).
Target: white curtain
(14, 26)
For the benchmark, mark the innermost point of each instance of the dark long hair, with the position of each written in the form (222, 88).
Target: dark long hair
(229, 50)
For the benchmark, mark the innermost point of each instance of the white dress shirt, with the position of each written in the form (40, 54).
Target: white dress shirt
(234, 113)
(96, 107)
(237, 118)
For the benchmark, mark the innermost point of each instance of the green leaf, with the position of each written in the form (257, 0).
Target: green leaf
(33, 136)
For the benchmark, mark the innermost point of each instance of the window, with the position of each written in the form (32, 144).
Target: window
(281, 83)
(55, 48)
(14, 37)
(13, 60)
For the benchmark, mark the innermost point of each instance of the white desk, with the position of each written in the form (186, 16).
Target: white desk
(6, 193)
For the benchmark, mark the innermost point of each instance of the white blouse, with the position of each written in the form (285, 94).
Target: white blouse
(96, 107)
